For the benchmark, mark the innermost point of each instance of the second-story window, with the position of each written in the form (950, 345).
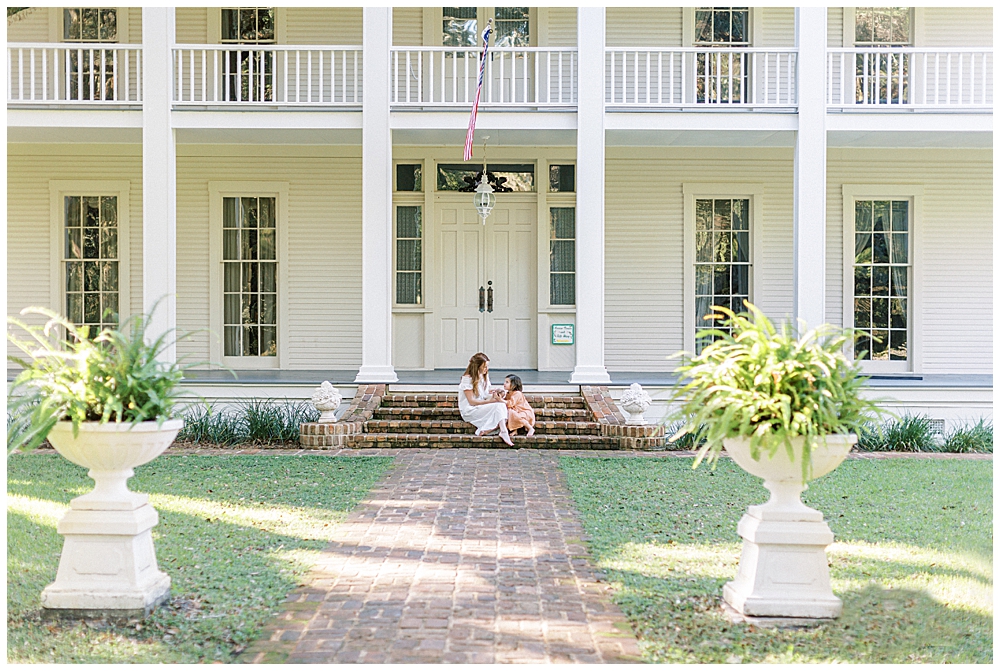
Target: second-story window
(459, 27)
(722, 77)
(512, 27)
(249, 74)
(90, 24)
(882, 74)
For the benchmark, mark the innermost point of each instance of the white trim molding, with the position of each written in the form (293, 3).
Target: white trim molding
(913, 193)
(216, 192)
(693, 191)
(58, 189)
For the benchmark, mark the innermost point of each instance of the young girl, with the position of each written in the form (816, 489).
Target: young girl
(477, 404)
(519, 413)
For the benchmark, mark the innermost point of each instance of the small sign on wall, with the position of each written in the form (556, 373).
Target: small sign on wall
(562, 334)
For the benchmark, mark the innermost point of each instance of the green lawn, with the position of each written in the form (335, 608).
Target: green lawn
(236, 533)
(913, 559)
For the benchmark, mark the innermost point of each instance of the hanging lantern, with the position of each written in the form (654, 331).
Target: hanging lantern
(484, 198)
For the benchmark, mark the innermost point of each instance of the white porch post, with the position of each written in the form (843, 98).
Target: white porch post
(590, 199)
(159, 175)
(376, 201)
(810, 167)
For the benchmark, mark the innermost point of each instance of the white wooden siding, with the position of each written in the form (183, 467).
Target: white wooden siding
(29, 170)
(644, 220)
(835, 27)
(957, 27)
(955, 236)
(407, 26)
(135, 25)
(323, 25)
(643, 26)
(191, 25)
(776, 27)
(30, 25)
(324, 247)
(562, 27)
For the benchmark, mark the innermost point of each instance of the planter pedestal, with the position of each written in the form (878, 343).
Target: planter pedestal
(783, 568)
(108, 563)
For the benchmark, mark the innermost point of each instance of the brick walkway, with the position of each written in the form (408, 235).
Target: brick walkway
(470, 555)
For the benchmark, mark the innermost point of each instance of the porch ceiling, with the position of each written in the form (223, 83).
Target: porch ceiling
(498, 137)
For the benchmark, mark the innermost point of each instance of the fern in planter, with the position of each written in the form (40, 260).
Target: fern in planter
(769, 386)
(112, 377)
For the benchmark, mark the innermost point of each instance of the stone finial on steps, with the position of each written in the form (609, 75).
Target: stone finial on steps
(326, 399)
(629, 437)
(341, 434)
(634, 401)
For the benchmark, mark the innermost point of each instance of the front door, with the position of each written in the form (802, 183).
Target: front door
(486, 282)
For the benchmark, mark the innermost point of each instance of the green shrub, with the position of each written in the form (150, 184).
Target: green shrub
(977, 438)
(686, 441)
(910, 433)
(253, 421)
(113, 376)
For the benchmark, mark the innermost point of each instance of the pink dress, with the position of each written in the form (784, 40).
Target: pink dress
(519, 412)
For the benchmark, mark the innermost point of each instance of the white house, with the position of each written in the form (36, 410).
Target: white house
(287, 178)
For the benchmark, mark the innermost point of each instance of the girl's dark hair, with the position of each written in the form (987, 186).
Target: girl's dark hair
(474, 370)
(515, 383)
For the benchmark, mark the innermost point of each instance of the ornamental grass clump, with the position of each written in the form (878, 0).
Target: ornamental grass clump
(113, 376)
(769, 386)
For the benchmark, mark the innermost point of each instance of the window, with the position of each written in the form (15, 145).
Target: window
(722, 77)
(409, 177)
(459, 27)
(882, 279)
(562, 256)
(248, 75)
(90, 24)
(512, 27)
(562, 178)
(409, 255)
(250, 266)
(881, 76)
(515, 176)
(91, 261)
(722, 258)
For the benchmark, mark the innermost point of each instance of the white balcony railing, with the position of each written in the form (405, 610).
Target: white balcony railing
(446, 76)
(58, 74)
(698, 77)
(267, 75)
(907, 77)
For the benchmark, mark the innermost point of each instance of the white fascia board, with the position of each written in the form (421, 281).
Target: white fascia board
(73, 118)
(405, 120)
(927, 122)
(762, 121)
(259, 119)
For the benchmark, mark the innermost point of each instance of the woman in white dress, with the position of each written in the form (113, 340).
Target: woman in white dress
(478, 405)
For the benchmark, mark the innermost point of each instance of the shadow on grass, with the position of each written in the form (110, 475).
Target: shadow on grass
(228, 578)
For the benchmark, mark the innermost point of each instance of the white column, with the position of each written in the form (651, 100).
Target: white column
(590, 199)
(376, 202)
(159, 176)
(810, 167)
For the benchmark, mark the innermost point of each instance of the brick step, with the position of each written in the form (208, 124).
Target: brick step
(403, 440)
(417, 413)
(424, 427)
(451, 401)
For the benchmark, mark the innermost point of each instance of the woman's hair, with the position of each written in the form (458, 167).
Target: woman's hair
(472, 370)
(515, 383)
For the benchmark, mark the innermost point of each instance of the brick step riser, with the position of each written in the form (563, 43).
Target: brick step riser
(431, 428)
(446, 414)
(451, 401)
(444, 441)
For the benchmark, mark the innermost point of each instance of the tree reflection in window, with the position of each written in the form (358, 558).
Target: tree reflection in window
(881, 279)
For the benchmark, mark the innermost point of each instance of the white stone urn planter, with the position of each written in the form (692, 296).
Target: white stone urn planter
(783, 568)
(326, 399)
(634, 402)
(108, 564)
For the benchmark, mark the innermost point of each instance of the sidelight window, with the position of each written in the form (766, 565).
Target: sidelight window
(722, 259)
(250, 276)
(409, 255)
(91, 261)
(562, 256)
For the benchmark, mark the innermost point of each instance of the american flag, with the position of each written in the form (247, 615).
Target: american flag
(470, 135)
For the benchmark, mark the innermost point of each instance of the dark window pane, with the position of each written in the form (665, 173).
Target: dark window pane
(900, 215)
(232, 277)
(459, 28)
(703, 247)
(897, 313)
(408, 255)
(109, 276)
(92, 308)
(409, 177)
(74, 308)
(863, 348)
(722, 243)
(880, 248)
(862, 313)
(230, 213)
(722, 284)
(91, 243)
(248, 309)
(880, 345)
(268, 341)
(231, 244)
(91, 211)
(703, 215)
(563, 222)
(267, 244)
(880, 280)
(723, 214)
(739, 26)
(562, 256)
(862, 281)
(268, 309)
(899, 281)
(233, 341)
(863, 215)
(250, 277)
(249, 213)
(880, 215)
(230, 24)
(897, 345)
(72, 208)
(408, 222)
(900, 248)
(266, 213)
(703, 25)
(90, 29)
(741, 215)
(703, 307)
(109, 308)
(109, 211)
(232, 309)
(72, 24)
(562, 178)
(519, 176)
(109, 243)
(91, 276)
(268, 281)
(721, 31)
(741, 282)
(562, 289)
(863, 248)
(880, 313)
(249, 244)
(74, 243)
(741, 247)
(408, 288)
(74, 276)
(250, 334)
(703, 280)
(863, 24)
